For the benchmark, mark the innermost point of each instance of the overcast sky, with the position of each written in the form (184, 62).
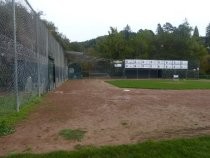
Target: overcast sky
(82, 20)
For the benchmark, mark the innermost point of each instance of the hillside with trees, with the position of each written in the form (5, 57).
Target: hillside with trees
(168, 42)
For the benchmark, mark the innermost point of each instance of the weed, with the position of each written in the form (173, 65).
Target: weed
(70, 134)
(5, 129)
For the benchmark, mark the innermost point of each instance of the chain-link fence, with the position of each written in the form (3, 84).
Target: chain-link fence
(31, 60)
(105, 68)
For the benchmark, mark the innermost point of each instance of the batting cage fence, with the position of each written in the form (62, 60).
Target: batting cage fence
(31, 60)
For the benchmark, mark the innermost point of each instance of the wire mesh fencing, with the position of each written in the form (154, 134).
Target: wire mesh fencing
(31, 60)
(105, 68)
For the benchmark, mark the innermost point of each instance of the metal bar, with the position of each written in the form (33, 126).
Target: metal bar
(37, 51)
(15, 56)
(47, 56)
(30, 6)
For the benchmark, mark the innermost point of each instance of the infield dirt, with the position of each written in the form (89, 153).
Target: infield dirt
(110, 116)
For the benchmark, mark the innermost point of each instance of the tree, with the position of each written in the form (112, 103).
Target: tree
(208, 30)
(159, 30)
(144, 44)
(112, 31)
(205, 65)
(196, 32)
(75, 46)
(110, 46)
(6, 26)
(62, 39)
(208, 35)
(168, 27)
(184, 30)
(174, 43)
(127, 32)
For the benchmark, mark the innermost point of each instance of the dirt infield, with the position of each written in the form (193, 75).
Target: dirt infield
(110, 116)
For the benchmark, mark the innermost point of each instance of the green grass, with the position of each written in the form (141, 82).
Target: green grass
(180, 148)
(6, 129)
(7, 104)
(8, 120)
(162, 84)
(70, 134)
(14, 117)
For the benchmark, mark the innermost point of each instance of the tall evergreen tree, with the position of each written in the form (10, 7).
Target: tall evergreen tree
(127, 32)
(159, 29)
(208, 31)
(196, 32)
(208, 35)
(184, 30)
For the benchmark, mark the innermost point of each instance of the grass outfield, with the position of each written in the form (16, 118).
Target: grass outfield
(162, 84)
(180, 148)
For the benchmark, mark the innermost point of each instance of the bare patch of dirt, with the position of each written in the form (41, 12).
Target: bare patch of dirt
(111, 116)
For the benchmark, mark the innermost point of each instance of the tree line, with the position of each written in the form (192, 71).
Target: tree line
(168, 42)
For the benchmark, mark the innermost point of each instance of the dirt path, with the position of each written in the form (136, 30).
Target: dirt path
(110, 116)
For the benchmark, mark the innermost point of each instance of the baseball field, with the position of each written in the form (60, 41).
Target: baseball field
(116, 118)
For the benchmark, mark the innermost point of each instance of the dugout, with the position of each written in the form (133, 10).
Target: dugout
(143, 73)
(74, 71)
(161, 73)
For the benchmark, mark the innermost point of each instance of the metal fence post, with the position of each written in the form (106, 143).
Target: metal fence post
(37, 51)
(15, 58)
(47, 56)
